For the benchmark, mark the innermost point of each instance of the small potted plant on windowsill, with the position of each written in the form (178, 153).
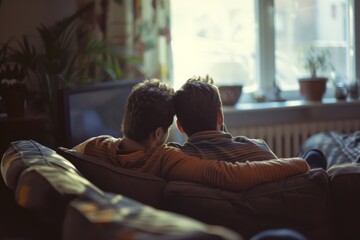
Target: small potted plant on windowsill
(316, 61)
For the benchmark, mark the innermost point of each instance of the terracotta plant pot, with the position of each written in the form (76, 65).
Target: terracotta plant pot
(312, 89)
(230, 94)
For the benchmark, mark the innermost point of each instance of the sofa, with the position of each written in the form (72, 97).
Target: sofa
(318, 204)
(300, 203)
(65, 205)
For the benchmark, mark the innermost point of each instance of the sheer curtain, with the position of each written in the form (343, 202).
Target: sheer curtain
(140, 26)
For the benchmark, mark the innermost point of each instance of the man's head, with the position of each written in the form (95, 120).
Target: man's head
(149, 108)
(198, 106)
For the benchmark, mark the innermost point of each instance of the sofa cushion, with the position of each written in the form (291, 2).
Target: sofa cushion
(111, 216)
(26, 153)
(299, 203)
(142, 187)
(345, 196)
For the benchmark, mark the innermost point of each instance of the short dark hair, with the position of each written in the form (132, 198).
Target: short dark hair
(196, 104)
(149, 106)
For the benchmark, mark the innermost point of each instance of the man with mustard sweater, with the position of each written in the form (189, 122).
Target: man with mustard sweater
(148, 116)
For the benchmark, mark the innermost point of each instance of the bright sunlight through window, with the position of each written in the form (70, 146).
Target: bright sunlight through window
(215, 37)
(220, 38)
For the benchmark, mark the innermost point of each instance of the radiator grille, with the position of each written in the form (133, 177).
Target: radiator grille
(285, 139)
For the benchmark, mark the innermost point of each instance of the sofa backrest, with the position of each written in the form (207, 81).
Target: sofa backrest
(300, 203)
(145, 188)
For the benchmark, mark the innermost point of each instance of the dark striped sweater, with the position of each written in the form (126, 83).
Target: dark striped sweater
(223, 146)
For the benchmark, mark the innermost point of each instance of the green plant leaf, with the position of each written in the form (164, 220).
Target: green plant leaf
(25, 54)
(316, 59)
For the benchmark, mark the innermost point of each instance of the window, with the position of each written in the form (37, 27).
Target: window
(320, 23)
(255, 42)
(215, 37)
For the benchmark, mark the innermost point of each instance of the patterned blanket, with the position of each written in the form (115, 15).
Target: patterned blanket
(337, 147)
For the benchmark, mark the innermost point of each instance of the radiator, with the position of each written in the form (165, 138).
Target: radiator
(286, 139)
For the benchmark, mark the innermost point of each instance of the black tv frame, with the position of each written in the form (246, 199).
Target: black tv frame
(97, 91)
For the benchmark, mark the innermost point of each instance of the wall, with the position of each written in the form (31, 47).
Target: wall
(19, 17)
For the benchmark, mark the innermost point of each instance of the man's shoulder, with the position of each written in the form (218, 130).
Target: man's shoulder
(248, 140)
(211, 135)
(102, 141)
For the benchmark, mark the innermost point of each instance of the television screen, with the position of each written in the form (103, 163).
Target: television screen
(95, 110)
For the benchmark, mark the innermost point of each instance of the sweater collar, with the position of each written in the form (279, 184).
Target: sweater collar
(206, 135)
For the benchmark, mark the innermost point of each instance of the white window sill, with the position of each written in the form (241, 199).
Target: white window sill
(252, 114)
(278, 114)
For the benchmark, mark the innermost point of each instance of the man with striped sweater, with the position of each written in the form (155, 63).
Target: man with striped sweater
(199, 115)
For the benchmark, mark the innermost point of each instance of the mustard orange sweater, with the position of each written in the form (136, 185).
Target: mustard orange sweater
(172, 164)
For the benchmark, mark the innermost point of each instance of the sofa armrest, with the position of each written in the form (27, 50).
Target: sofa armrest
(345, 196)
(27, 153)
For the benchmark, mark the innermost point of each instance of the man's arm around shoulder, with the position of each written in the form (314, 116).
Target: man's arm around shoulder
(230, 176)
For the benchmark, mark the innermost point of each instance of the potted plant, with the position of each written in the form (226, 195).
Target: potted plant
(67, 57)
(13, 89)
(316, 62)
(12, 84)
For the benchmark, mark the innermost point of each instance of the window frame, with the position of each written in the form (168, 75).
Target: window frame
(264, 12)
(266, 47)
(354, 9)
